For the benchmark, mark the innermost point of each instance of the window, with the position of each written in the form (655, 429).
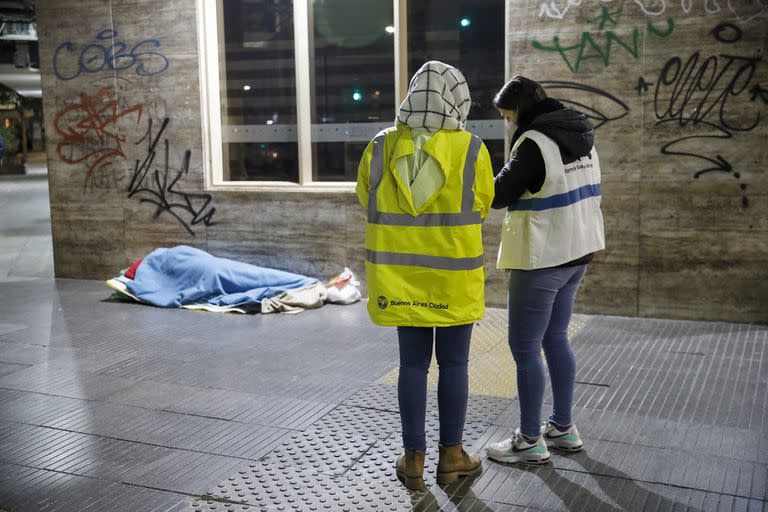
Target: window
(352, 59)
(295, 89)
(467, 34)
(258, 91)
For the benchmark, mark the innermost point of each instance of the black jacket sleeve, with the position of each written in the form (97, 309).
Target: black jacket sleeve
(524, 171)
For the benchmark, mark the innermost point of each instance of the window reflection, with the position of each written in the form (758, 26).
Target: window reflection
(258, 98)
(353, 82)
(469, 35)
(352, 78)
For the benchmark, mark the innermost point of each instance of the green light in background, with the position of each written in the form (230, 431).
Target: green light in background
(465, 22)
(356, 95)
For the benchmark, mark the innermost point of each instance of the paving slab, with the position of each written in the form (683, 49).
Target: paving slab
(113, 406)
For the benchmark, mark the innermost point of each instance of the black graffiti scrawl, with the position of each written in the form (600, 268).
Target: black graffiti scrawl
(598, 105)
(157, 186)
(698, 93)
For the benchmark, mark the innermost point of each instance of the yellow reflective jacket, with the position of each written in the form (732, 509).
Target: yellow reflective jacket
(424, 259)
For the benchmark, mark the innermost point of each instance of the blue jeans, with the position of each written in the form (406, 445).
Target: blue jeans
(452, 351)
(540, 307)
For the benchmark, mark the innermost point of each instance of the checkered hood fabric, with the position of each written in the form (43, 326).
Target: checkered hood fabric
(438, 98)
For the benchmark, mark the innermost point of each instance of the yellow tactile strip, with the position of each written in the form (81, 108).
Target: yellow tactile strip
(491, 367)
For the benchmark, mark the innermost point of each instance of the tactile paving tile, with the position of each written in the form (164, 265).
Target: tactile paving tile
(320, 451)
(9, 395)
(678, 370)
(379, 462)
(206, 435)
(549, 488)
(6, 328)
(692, 395)
(82, 359)
(37, 409)
(383, 397)
(63, 382)
(491, 366)
(147, 426)
(359, 422)
(485, 408)
(33, 336)
(697, 471)
(208, 505)
(9, 368)
(223, 404)
(68, 493)
(274, 486)
(317, 470)
(683, 436)
(20, 353)
(110, 459)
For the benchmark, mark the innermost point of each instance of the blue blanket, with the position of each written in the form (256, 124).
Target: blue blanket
(184, 275)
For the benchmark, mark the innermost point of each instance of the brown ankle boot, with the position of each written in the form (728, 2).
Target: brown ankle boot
(410, 470)
(455, 462)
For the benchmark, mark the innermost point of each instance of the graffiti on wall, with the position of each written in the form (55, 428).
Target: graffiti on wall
(599, 105)
(604, 42)
(90, 134)
(96, 128)
(697, 94)
(558, 9)
(107, 52)
(700, 95)
(88, 130)
(157, 184)
(758, 91)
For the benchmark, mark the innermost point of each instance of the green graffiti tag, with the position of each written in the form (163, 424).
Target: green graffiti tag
(606, 16)
(601, 45)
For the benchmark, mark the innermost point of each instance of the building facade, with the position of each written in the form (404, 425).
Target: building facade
(236, 125)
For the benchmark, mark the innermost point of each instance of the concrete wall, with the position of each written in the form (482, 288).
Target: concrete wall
(685, 78)
(678, 246)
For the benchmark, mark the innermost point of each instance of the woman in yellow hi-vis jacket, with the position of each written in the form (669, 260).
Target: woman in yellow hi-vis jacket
(427, 185)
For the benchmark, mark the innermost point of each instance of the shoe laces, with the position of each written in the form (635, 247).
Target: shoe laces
(518, 438)
(545, 426)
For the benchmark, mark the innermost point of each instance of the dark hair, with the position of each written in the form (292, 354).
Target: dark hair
(519, 94)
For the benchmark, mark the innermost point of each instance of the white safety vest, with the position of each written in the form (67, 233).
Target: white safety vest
(559, 223)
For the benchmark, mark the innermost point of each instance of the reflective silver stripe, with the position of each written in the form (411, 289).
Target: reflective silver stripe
(377, 170)
(468, 196)
(426, 219)
(422, 260)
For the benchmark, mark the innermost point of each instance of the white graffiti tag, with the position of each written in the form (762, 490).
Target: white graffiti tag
(551, 8)
(557, 9)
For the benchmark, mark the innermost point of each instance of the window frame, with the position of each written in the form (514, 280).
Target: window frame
(210, 36)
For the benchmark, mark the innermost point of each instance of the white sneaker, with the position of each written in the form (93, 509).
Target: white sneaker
(568, 441)
(517, 449)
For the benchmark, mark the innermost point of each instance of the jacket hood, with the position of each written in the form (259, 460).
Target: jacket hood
(438, 99)
(569, 128)
(419, 167)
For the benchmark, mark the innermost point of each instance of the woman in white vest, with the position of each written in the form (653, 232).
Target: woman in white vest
(553, 226)
(427, 185)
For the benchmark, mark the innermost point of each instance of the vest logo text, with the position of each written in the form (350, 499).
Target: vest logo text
(415, 304)
(578, 166)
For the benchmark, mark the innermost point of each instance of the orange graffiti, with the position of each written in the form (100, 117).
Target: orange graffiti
(89, 130)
